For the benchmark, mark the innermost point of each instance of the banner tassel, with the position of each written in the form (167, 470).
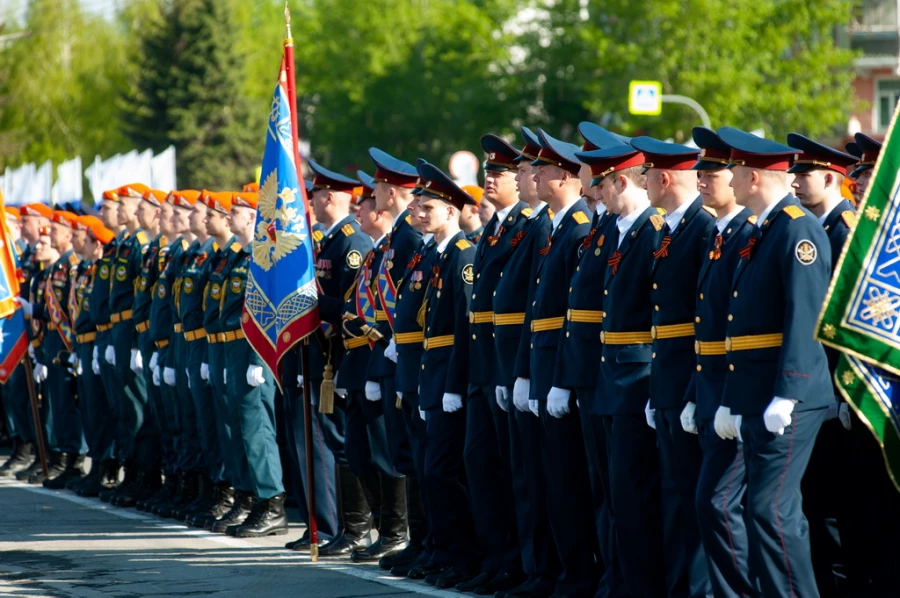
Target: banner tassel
(326, 391)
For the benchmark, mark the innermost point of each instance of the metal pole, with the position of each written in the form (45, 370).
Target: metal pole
(308, 432)
(36, 415)
(686, 101)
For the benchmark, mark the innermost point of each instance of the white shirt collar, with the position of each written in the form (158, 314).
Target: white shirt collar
(426, 239)
(674, 219)
(558, 217)
(397, 219)
(501, 216)
(824, 216)
(332, 227)
(624, 222)
(722, 222)
(536, 210)
(765, 213)
(443, 244)
(601, 209)
(378, 242)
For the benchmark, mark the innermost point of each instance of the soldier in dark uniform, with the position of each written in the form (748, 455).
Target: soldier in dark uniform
(510, 304)
(470, 219)
(337, 264)
(624, 385)
(99, 427)
(778, 374)
(251, 392)
(487, 425)
(672, 186)
(443, 381)
(862, 174)
(721, 483)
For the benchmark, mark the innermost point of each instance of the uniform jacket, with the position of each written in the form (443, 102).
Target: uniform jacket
(410, 297)
(189, 287)
(162, 313)
(711, 317)
(491, 256)
(84, 283)
(125, 271)
(219, 279)
(625, 369)
(356, 360)
(779, 288)
(837, 226)
(146, 281)
(674, 286)
(445, 369)
(99, 303)
(59, 277)
(231, 306)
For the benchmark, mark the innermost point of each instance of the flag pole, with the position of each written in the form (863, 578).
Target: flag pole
(36, 415)
(304, 346)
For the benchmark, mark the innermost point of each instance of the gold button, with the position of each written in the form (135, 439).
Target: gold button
(701, 296)
(731, 366)
(473, 295)
(438, 294)
(653, 355)
(605, 292)
(578, 268)
(567, 335)
(655, 286)
(697, 319)
(699, 367)
(735, 293)
(570, 289)
(501, 275)
(602, 359)
(730, 317)
(478, 275)
(400, 296)
(533, 303)
(423, 366)
(495, 293)
(538, 281)
(532, 345)
(473, 337)
(656, 307)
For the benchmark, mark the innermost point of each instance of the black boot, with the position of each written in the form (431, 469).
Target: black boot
(72, 468)
(392, 535)
(108, 476)
(190, 487)
(26, 473)
(20, 460)
(266, 519)
(55, 467)
(165, 492)
(418, 529)
(358, 520)
(125, 497)
(149, 484)
(224, 500)
(74, 483)
(303, 543)
(130, 478)
(201, 502)
(240, 510)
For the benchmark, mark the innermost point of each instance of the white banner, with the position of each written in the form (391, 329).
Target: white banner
(163, 169)
(67, 188)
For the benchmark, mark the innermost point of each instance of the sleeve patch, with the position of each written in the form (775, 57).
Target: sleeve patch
(657, 221)
(348, 230)
(806, 252)
(580, 218)
(849, 218)
(463, 244)
(354, 259)
(794, 212)
(467, 274)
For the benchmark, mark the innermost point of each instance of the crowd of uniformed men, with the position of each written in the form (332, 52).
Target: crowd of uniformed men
(612, 389)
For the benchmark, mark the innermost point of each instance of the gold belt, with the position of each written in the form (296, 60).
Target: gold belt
(193, 335)
(753, 341)
(481, 317)
(87, 337)
(355, 343)
(143, 326)
(380, 316)
(178, 328)
(586, 316)
(672, 331)
(103, 327)
(162, 344)
(231, 335)
(436, 342)
(625, 338)
(122, 316)
(51, 326)
(509, 319)
(36, 343)
(408, 338)
(709, 347)
(547, 324)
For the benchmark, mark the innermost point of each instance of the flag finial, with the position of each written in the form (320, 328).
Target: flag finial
(287, 20)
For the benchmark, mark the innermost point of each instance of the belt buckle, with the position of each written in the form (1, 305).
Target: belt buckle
(471, 317)
(728, 344)
(653, 333)
(602, 336)
(569, 314)
(697, 347)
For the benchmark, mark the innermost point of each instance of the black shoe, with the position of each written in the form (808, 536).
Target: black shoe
(20, 460)
(392, 530)
(266, 519)
(187, 493)
(501, 582)
(476, 582)
(403, 569)
(454, 576)
(224, 495)
(127, 483)
(407, 556)
(303, 543)
(149, 482)
(204, 500)
(71, 468)
(241, 506)
(165, 492)
(532, 588)
(55, 468)
(29, 471)
(424, 570)
(105, 481)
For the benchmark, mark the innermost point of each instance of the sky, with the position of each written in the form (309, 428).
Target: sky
(17, 8)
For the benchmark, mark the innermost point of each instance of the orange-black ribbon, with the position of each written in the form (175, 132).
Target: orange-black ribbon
(747, 252)
(586, 244)
(546, 250)
(663, 250)
(614, 261)
(517, 238)
(492, 240)
(436, 281)
(716, 253)
(414, 262)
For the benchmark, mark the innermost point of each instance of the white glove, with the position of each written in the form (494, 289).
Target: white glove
(154, 360)
(400, 395)
(224, 376)
(534, 407)
(422, 413)
(31, 351)
(502, 397)
(26, 307)
(390, 351)
(110, 355)
(300, 381)
(778, 415)
(78, 369)
(73, 359)
(452, 402)
(95, 364)
(169, 376)
(341, 392)
(688, 420)
(96, 355)
(558, 402)
(40, 372)
(724, 423)
(137, 361)
(738, 419)
(650, 414)
(156, 376)
(204, 371)
(373, 391)
(844, 415)
(521, 390)
(255, 375)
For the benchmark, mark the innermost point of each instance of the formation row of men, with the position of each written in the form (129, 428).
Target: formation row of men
(474, 428)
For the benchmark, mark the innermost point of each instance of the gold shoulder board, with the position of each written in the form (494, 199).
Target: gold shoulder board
(235, 247)
(163, 240)
(794, 212)
(580, 218)
(142, 237)
(73, 260)
(710, 210)
(527, 212)
(661, 211)
(184, 244)
(752, 219)
(408, 219)
(318, 235)
(463, 244)
(657, 221)
(347, 229)
(849, 218)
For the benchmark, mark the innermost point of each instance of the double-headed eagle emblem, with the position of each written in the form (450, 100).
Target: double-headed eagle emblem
(276, 223)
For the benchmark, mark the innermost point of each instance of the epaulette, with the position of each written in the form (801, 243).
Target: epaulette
(408, 219)
(849, 218)
(163, 240)
(661, 211)
(527, 212)
(657, 221)
(711, 211)
(215, 246)
(184, 244)
(580, 218)
(318, 235)
(463, 244)
(235, 247)
(550, 213)
(73, 260)
(794, 212)
(348, 230)
(142, 237)
(752, 219)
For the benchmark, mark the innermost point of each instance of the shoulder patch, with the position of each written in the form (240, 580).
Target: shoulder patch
(709, 210)
(752, 219)
(849, 218)
(318, 235)
(235, 247)
(408, 219)
(142, 237)
(661, 211)
(348, 230)
(468, 275)
(463, 244)
(580, 218)
(527, 212)
(657, 221)
(73, 260)
(794, 212)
